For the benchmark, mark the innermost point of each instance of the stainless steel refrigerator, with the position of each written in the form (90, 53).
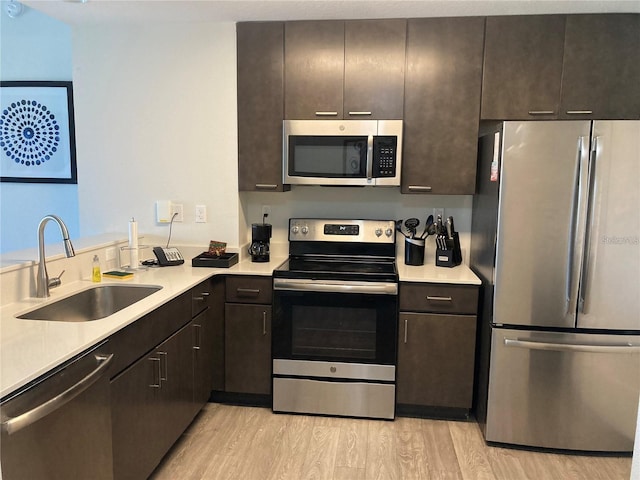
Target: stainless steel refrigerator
(556, 241)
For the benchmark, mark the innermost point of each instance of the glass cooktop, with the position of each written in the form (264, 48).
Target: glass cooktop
(351, 268)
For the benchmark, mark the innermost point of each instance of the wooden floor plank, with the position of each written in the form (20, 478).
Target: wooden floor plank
(230, 442)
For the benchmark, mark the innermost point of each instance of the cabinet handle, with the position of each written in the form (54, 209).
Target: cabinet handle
(419, 188)
(158, 384)
(439, 299)
(198, 339)
(202, 296)
(579, 112)
(360, 113)
(163, 355)
(266, 186)
(406, 322)
(541, 112)
(326, 114)
(264, 322)
(248, 292)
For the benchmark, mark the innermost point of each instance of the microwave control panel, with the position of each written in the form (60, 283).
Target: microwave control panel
(384, 156)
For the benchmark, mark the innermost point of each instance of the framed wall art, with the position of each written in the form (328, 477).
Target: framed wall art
(37, 132)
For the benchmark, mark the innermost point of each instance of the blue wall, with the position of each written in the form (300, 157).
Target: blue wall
(34, 46)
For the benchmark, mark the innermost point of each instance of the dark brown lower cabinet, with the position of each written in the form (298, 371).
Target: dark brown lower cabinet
(247, 348)
(151, 405)
(436, 355)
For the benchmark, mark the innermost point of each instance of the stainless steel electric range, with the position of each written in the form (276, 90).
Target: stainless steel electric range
(335, 317)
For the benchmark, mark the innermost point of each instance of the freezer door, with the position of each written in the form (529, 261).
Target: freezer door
(563, 390)
(541, 214)
(610, 278)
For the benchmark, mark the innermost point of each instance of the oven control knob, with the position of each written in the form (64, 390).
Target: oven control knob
(295, 229)
(378, 232)
(388, 232)
(305, 230)
(333, 369)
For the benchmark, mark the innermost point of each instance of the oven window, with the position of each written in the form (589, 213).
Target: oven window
(334, 332)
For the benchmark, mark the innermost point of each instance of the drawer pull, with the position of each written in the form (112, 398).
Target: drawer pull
(202, 297)
(166, 367)
(327, 114)
(264, 323)
(360, 113)
(419, 188)
(248, 292)
(197, 329)
(541, 112)
(439, 299)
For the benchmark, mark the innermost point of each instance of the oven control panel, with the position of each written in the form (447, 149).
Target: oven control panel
(329, 230)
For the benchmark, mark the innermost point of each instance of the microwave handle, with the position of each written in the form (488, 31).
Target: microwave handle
(369, 157)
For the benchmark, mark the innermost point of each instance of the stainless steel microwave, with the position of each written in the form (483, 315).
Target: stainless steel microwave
(342, 152)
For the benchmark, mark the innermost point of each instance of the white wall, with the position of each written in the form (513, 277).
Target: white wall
(156, 120)
(34, 46)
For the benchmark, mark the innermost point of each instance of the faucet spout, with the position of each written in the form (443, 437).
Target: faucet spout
(42, 280)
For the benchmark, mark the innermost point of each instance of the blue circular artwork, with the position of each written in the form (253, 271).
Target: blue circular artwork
(29, 133)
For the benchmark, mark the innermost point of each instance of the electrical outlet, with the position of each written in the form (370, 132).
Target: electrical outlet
(266, 210)
(177, 208)
(201, 214)
(110, 254)
(438, 211)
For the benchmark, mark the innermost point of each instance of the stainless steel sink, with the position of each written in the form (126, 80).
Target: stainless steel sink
(91, 304)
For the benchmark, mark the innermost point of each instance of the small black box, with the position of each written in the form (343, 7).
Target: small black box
(205, 259)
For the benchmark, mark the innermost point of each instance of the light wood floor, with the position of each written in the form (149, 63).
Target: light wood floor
(229, 442)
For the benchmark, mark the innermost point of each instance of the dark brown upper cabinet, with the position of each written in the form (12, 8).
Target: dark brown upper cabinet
(344, 70)
(601, 69)
(260, 50)
(442, 105)
(522, 67)
(562, 66)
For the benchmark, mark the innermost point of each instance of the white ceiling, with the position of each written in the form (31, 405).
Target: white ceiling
(76, 12)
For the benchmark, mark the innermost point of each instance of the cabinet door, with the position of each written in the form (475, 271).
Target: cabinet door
(436, 355)
(442, 105)
(601, 71)
(248, 348)
(522, 67)
(374, 69)
(313, 69)
(136, 413)
(260, 105)
(151, 406)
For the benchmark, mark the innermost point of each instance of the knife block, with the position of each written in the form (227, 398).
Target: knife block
(452, 256)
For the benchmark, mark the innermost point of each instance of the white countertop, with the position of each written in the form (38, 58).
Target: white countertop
(30, 348)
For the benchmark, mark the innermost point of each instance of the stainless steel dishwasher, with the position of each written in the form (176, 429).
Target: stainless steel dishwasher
(59, 427)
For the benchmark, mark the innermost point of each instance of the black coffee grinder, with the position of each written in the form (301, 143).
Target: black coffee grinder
(260, 236)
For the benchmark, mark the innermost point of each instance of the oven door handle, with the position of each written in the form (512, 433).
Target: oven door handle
(331, 287)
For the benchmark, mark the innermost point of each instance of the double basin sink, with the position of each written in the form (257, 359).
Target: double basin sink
(91, 304)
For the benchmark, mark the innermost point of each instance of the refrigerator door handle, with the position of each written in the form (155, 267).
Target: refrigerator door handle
(583, 301)
(571, 347)
(576, 233)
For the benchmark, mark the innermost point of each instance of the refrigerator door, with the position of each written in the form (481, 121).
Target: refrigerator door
(563, 390)
(543, 192)
(610, 277)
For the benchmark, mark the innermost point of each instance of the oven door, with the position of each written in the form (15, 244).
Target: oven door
(350, 322)
(334, 348)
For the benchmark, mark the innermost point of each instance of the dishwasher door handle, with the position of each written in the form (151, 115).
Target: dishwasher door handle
(15, 424)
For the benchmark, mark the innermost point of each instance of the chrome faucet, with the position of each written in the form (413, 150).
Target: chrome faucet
(42, 280)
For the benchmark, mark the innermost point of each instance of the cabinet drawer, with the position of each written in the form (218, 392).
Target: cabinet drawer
(249, 290)
(430, 297)
(201, 298)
